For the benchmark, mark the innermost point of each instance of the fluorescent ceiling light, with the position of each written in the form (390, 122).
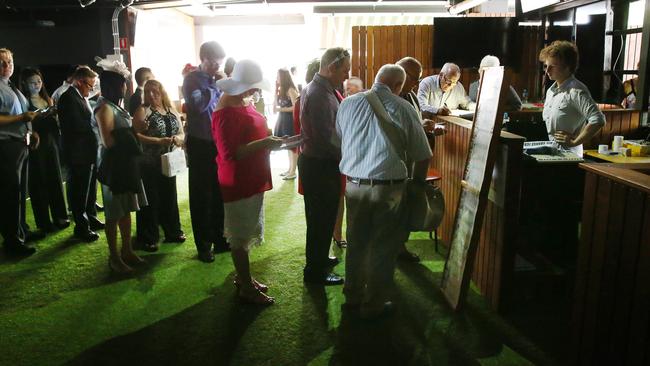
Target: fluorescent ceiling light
(84, 3)
(563, 23)
(531, 24)
(530, 5)
(465, 5)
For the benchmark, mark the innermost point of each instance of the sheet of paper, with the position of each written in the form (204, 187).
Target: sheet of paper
(461, 113)
(292, 142)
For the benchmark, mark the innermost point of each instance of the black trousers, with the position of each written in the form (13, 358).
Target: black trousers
(321, 184)
(163, 205)
(13, 189)
(82, 193)
(45, 183)
(206, 203)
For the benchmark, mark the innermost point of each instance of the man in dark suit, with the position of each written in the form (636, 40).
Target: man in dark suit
(141, 76)
(80, 153)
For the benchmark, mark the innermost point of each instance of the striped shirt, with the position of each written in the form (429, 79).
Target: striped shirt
(366, 151)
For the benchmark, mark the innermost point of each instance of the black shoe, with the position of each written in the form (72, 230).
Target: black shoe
(206, 257)
(342, 244)
(86, 236)
(176, 239)
(31, 236)
(221, 248)
(332, 261)
(329, 279)
(388, 308)
(95, 224)
(407, 256)
(18, 250)
(62, 224)
(147, 247)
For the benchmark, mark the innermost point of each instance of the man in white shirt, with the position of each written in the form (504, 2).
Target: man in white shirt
(376, 187)
(439, 94)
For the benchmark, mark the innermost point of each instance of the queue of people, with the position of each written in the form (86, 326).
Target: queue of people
(344, 157)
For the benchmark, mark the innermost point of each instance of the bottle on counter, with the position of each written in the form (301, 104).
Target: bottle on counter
(524, 96)
(506, 118)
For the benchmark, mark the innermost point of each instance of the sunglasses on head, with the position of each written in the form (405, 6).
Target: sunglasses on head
(340, 57)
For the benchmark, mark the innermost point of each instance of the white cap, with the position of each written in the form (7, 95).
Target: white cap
(489, 61)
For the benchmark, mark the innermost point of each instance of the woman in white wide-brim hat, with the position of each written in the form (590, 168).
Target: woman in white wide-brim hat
(244, 143)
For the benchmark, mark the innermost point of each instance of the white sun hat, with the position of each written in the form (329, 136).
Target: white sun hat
(246, 75)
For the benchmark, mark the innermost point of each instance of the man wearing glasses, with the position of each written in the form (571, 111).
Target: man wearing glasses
(80, 153)
(441, 93)
(319, 163)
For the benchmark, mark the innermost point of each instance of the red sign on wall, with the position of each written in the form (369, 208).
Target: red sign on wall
(124, 43)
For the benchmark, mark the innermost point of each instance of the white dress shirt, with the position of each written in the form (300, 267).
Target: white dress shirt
(432, 98)
(568, 107)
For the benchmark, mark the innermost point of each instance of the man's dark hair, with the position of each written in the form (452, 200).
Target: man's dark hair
(312, 69)
(211, 49)
(139, 75)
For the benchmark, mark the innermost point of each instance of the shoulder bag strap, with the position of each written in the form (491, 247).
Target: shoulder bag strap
(391, 131)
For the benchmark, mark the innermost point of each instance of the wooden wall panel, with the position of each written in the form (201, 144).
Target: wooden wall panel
(494, 261)
(611, 307)
(375, 46)
(388, 44)
(617, 122)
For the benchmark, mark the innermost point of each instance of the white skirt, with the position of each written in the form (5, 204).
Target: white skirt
(244, 222)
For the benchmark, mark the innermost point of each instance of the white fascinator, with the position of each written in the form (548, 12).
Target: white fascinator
(114, 65)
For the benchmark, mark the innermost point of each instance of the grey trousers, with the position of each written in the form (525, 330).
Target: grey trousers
(375, 232)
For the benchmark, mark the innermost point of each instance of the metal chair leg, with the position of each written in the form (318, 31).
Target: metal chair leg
(436, 239)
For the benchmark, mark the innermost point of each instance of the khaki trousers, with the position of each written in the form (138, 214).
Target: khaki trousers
(375, 232)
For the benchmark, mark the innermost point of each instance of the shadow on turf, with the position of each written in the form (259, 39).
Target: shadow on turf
(201, 334)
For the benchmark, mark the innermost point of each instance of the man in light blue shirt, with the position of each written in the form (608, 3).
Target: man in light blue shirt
(376, 187)
(439, 94)
(15, 130)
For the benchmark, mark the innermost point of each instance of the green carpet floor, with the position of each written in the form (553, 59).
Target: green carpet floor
(62, 306)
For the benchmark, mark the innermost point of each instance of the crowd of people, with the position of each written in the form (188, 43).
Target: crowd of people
(344, 156)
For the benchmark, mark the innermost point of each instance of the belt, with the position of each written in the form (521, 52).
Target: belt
(373, 182)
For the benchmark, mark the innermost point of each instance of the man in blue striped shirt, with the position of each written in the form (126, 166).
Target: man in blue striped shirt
(376, 187)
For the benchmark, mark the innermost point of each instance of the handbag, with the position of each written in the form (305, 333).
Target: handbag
(173, 162)
(425, 203)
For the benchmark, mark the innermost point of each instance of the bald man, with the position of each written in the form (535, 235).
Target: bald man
(375, 189)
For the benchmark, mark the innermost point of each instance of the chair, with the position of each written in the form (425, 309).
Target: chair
(433, 176)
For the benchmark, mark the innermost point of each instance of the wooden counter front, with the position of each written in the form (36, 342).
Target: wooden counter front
(611, 305)
(494, 264)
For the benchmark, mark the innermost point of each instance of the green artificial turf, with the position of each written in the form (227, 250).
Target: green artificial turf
(62, 306)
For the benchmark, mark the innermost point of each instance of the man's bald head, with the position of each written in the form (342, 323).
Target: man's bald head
(392, 76)
(449, 76)
(413, 69)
